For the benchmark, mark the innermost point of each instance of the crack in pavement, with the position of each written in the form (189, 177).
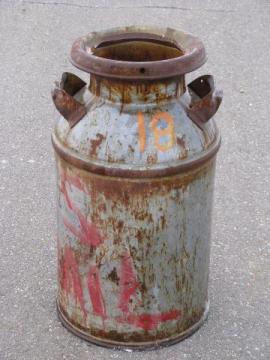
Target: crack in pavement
(57, 3)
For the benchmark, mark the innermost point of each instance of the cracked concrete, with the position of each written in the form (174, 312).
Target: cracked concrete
(130, 6)
(35, 41)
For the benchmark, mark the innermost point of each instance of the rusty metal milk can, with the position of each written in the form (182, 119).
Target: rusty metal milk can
(135, 154)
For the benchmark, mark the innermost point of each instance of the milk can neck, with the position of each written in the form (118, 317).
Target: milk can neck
(143, 91)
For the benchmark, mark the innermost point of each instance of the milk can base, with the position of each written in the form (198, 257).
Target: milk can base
(148, 345)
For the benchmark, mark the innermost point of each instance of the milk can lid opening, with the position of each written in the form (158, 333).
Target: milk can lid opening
(138, 53)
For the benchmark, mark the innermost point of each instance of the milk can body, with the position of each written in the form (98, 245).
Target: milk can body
(135, 155)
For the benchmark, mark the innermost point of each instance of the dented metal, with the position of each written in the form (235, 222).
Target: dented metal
(135, 187)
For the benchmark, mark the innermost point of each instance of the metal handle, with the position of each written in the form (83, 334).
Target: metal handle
(205, 100)
(62, 95)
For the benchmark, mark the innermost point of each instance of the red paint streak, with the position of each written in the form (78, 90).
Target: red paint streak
(70, 278)
(87, 233)
(95, 292)
(150, 321)
(72, 228)
(63, 190)
(75, 181)
(128, 282)
(70, 180)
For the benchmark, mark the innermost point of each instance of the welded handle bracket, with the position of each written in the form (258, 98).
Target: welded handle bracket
(63, 97)
(205, 100)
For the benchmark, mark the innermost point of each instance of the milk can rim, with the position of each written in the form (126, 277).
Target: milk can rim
(193, 57)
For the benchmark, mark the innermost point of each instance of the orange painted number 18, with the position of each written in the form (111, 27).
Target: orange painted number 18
(162, 127)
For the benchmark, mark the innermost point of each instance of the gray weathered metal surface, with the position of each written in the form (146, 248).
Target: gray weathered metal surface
(135, 180)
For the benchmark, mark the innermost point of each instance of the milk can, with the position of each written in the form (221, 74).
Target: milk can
(135, 154)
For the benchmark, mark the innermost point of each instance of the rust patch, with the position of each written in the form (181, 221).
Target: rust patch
(140, 235)
(95, 143)
(113, 276)
(131, 148)
(152, 159)
(123, 91)
(163, 222)
(181, 142)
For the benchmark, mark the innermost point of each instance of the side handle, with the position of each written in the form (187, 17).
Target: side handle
(70, 108)
(205, 100)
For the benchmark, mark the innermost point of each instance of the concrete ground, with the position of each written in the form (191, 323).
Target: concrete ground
(35, 38)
